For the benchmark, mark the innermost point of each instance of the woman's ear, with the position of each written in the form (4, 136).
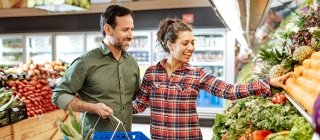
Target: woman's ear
(170, 45)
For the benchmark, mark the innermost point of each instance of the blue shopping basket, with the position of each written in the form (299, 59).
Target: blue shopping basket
(136, 135)
(118, 135)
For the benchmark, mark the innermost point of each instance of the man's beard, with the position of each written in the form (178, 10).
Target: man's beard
(121, 47)
(116, 43)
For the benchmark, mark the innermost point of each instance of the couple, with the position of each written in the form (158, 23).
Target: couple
(107, 81)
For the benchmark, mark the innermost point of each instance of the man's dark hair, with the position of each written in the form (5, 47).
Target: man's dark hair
(110, 14)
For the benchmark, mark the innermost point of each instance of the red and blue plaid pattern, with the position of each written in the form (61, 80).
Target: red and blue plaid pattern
(173, 99)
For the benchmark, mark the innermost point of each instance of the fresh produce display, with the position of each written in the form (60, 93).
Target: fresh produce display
(294, 47)
(72, 130)
(31, 84)
(44, 71)
(37, 94)
(305, 77)
(292, 43)
(257, 117)
(9, 100)
(81, 3)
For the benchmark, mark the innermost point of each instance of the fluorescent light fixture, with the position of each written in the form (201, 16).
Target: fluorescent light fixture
(60, 8)
(59, 5)
(230, 12)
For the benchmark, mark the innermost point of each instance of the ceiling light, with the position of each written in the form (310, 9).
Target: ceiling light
(60, 5)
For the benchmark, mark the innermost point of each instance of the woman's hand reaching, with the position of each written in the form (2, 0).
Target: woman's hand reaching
(280, 81)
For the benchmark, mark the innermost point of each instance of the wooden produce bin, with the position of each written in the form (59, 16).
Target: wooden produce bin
(42, 127)
(6, 133)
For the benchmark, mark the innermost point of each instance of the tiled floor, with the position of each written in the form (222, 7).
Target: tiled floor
(145, 129)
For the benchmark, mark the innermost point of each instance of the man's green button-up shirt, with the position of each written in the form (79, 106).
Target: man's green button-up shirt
(98, 77)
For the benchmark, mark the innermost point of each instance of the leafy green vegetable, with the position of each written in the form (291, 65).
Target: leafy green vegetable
(258, 113)
(218, 126)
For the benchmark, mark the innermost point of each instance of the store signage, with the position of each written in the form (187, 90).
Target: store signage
(188, 18)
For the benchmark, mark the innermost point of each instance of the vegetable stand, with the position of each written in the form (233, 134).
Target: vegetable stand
(38, 127)
(304, 113)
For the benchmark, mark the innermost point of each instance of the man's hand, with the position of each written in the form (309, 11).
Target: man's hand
(95, 108)
(279, 81)
(102, 110)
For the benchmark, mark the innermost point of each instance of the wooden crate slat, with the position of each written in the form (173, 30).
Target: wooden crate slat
(5, 131)
(31, 122)
(41, 127)
(7, 138)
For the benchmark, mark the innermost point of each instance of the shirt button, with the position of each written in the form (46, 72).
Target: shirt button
(124, 122)
(122, 107)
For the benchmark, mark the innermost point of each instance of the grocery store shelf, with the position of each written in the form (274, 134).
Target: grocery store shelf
(44, 52)
(12, 50)
(69, 52)
(138, 49)
(203, 112)
(208, 113)
(97, 8)
(10, 63)
(302, 111)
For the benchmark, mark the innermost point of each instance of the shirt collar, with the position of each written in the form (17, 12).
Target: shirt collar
(105, 50)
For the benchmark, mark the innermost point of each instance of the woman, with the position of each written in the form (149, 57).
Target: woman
(171, 87)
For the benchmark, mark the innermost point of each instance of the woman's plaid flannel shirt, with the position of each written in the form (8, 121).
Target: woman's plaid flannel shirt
(173, 99)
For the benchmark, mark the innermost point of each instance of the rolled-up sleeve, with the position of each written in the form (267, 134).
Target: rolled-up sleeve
(70, 84)
(228, 91)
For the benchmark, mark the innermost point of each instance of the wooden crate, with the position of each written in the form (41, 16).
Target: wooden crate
(6, 133)
(42, 127)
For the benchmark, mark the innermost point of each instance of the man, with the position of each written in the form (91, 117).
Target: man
(105, 78)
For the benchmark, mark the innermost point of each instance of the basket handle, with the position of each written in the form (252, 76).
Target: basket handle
(119, 123)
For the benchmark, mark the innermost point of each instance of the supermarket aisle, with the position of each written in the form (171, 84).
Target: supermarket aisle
(145, 129)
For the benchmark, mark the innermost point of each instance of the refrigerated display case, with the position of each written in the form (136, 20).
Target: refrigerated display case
(92, 40)
(39, 48)
(209, 53)
(69, 46)
(11, 49)
(140, 49)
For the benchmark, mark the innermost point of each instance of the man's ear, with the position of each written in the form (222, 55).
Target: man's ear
(107, 29)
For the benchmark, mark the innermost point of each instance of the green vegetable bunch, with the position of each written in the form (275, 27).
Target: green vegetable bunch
(259, 113)
(72, 130)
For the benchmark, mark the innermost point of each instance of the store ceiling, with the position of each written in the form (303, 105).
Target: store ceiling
(100, 5)
(255, 13)
(252, 14)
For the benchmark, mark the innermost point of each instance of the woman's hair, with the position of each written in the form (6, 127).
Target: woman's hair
(168, 31)
(110, 14)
